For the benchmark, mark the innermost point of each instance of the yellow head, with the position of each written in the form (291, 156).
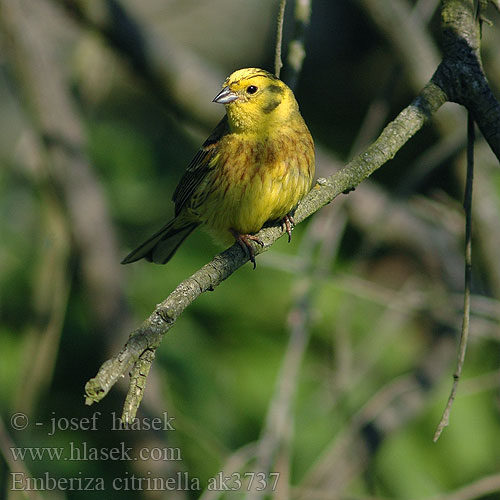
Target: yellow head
(256, 100)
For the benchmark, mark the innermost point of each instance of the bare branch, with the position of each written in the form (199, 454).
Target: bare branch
(149, 335)
(461, 70)
(464, 336)
(278, 63)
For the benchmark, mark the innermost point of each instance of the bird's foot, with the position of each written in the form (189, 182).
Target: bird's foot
(287, 224)
(245, 242)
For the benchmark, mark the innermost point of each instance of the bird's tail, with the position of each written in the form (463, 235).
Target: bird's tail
(162, 245)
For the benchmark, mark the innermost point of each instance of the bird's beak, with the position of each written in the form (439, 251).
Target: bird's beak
(225, 96)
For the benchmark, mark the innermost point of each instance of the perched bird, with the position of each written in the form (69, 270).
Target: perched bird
(255, 167)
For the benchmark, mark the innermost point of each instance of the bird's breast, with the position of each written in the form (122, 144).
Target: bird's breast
(254, 181)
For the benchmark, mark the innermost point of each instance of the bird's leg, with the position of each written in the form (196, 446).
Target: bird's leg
(287, 224)
(244, 241)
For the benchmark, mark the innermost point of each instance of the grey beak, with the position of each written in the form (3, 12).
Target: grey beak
(225, 96)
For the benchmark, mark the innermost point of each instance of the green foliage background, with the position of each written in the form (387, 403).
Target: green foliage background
(384, 307)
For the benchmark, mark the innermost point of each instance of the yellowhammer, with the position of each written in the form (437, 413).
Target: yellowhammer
(255, 167)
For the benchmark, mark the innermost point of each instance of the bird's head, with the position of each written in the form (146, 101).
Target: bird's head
(256, 99)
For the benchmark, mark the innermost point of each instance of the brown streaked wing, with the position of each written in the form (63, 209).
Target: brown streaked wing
(199, 167)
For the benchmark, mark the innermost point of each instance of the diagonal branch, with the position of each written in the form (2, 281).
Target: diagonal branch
(150, 334)
(459, 78)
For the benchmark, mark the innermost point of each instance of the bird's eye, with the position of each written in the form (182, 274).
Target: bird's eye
(251, 89)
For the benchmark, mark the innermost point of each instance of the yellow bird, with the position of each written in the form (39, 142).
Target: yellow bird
(255, 167)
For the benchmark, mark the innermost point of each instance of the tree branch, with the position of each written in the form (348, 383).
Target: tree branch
(464, 336)
(150, 334)
(462, 71)
(278, 63)
(457, 78)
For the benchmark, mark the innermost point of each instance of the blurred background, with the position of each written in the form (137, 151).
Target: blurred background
(332, 362)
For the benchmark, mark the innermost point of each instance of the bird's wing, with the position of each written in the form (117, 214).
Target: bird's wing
(199, 167)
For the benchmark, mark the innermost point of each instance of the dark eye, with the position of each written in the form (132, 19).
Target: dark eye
(251, 89)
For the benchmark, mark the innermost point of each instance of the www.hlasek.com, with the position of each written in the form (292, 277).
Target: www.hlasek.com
(181, 481)
(82, 452)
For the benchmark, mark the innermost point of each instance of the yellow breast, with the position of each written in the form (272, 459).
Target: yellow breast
(254, 181)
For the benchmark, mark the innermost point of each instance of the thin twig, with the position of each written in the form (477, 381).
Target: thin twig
(278, 63)
(138, 377)
(464, 336)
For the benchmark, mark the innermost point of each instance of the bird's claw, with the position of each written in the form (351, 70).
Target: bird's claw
(244, 241)
(287, 224)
